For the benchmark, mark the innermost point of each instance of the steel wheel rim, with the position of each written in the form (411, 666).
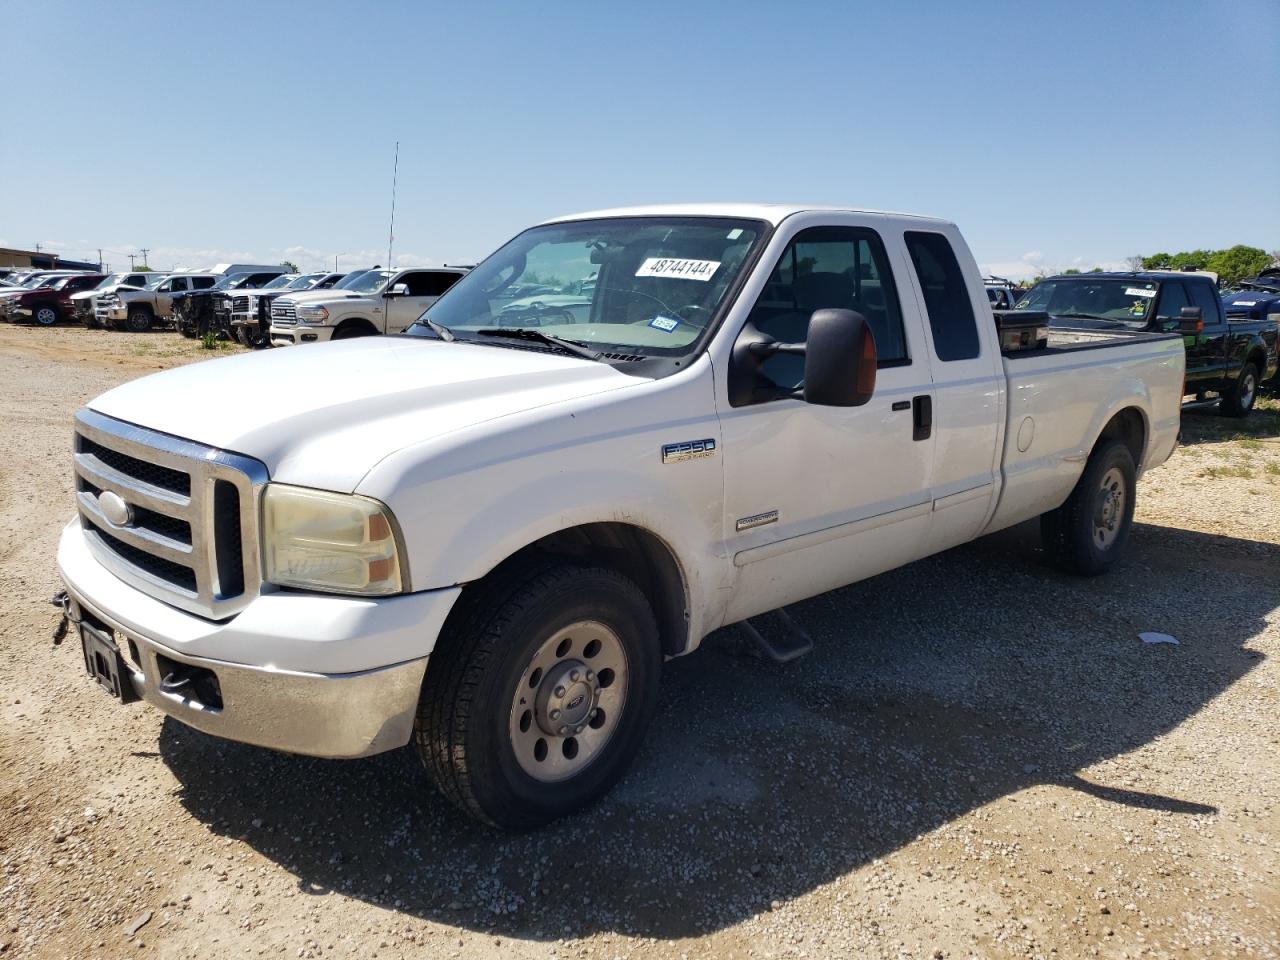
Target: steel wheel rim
(1247, 387)
(1109, 507)
(568, 701)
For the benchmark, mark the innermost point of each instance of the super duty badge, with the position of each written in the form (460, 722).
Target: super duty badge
(688, 450)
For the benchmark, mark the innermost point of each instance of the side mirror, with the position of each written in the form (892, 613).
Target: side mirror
(839, 359)
(399, 290)
(839, 362)
(1191, 320)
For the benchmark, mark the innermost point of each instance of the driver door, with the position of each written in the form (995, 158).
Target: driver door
(425, 288)
(817, 497)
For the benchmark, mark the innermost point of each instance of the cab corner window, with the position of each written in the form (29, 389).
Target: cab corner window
(946, 296)
(828, 267)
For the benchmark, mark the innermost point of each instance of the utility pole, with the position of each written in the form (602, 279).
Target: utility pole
(99, 258)
(144, 256)
(335, 263)
(131, 259)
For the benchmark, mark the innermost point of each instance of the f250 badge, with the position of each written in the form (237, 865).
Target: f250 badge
(688, 450)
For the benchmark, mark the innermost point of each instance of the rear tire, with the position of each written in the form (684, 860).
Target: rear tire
(139, 320)
(1238, 401)
(1086, 535)
(513, 668)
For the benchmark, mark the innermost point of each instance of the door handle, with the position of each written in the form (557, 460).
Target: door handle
(921, 417)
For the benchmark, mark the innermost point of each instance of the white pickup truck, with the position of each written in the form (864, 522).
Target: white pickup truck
(375, 301)
(484, 539)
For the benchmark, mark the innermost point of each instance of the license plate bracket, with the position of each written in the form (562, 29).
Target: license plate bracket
(103, 662)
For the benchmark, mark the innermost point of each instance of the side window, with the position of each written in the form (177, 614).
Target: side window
(946, 296)
(841, 267)
(203, 283)
(438, 283)
(1205, 296)
(167, 285)
(1173, 297)
(180, 283)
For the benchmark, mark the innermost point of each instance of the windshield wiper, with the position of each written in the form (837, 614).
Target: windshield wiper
(527, 333)
(439, 329)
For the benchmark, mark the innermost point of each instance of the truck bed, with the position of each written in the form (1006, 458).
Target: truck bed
(1061, 395)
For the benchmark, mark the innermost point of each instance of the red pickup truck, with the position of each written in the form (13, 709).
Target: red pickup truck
(47, 305)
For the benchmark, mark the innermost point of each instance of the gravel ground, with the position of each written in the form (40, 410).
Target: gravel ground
(1001, 771)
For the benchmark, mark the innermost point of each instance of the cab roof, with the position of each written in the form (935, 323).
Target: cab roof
(773, 213)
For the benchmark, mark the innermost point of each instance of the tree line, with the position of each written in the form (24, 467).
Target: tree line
(1232, 264)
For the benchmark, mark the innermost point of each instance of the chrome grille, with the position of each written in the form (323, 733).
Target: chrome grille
(240, 305)
(192, 508)
(284, 314)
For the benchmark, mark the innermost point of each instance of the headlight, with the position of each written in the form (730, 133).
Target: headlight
(335, 542)
(313, 314)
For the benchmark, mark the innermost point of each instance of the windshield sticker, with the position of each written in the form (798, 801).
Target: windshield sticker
(1138, 309)
(734, 234)
(684, 269)
(1139, 292)
(665, 324)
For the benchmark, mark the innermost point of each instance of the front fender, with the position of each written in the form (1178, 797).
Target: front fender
(466, 502)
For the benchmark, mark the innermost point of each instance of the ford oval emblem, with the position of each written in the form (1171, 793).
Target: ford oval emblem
(114, 509)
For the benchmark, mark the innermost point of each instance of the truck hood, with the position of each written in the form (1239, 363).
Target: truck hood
(323, 415)
(322, 296)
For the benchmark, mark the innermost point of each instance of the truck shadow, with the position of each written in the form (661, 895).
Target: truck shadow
(932, 690)
(1206, 425)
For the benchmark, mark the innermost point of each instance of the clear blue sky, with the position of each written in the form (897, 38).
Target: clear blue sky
(1052, 133)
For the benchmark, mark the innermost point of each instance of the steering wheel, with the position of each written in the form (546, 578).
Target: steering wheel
(690, 310)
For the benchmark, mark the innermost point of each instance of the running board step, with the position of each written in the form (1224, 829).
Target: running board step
(780, 637)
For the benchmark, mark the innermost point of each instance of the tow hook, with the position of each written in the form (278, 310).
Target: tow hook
(62, 601)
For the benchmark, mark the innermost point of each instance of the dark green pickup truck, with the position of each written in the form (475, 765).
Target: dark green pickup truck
(1226, 358)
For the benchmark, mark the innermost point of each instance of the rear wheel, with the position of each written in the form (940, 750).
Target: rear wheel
(351, 331)
(1087, 533)
(1239, 400)
(139, 320)
(46, 316)
(538, 696)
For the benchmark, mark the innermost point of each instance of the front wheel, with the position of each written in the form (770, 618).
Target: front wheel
(1087, 533)
(1238, 401)
(45, 316)
(537, 698)
(139, 320)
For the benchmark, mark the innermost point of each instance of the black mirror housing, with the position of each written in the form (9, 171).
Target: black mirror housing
(839, 359)
(1191, 320)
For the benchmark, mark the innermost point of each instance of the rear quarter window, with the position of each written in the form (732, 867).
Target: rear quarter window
(946, 296)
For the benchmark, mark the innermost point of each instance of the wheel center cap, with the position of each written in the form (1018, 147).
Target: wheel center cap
(566, 698)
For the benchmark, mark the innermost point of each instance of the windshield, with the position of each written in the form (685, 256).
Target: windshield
(110, 281)
(153, 282)
(284, 280)
(305, 282)
(1110, 298)
(232, 281)
(648, 285)
(371, 281)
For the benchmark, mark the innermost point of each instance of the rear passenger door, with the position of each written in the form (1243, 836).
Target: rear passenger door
(968, 392)
(817, 497)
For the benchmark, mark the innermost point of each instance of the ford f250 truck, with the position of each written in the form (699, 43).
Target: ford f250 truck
(484, 538)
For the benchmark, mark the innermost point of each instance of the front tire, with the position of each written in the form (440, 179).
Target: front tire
(538, 695)
(1087, 534)
(45, 316)
(139, 320)
(1239, 400)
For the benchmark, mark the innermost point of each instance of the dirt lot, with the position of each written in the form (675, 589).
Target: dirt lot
(979, 759)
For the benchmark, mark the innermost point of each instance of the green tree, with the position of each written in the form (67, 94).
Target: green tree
(1237, 263)
(1157, 261)
(290, 266)
(1069, 271)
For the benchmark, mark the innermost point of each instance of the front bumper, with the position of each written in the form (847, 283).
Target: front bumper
(302, 333)
(320, 675)
(113, 313)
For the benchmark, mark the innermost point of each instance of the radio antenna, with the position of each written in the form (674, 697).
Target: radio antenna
(391, 234)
